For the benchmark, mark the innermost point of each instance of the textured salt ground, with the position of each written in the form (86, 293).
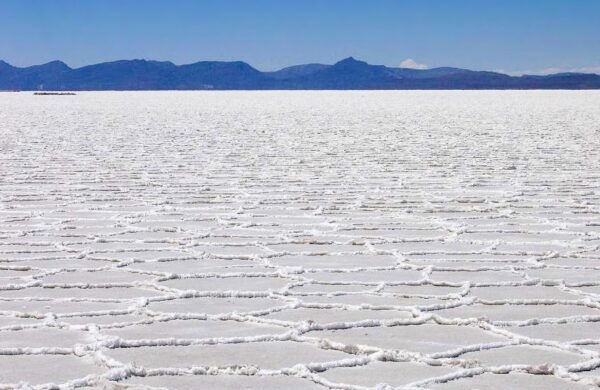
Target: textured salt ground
(226, 382)
(343, 240)
(512, 381)
(38, 370)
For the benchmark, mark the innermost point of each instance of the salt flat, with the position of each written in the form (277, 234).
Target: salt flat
(300, 240)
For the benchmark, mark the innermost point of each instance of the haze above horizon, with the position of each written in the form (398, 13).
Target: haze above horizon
(509, 36)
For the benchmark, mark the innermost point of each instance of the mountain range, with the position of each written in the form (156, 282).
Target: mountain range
(346, 74)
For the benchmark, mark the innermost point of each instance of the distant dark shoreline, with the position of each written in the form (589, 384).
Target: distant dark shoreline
(54, 93)
(348, 74)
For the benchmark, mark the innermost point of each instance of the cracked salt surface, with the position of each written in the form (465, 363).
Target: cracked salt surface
(300, 240)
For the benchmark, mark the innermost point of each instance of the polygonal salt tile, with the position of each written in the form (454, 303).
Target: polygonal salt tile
(194, 329)
(201, 266)
(374, 300)
(144, 255)
(569, 331)
(573, 261)
(509, 312)
(494, 293)
(475, 276)
(444, 259)
(172, 221)
(43, 337)
(398, 275)
(7, 248)
(222, 382)
(509, 381)
(44, 307)
(424, 338)
(215, 239)
(232, 251)
(29, 253)
(378, 373)
(291, 221)
(519, 237)
(10, 276)
(466, 265)
(91, 231)
(97, 247)
(329, 261)
(307, 248)
(310, 288)
(530, 248)
(151, 236)
(96, 277)
(82, 214)
(422, 289)
(41, 369)
(395, 234)
(34, 239)
(103, 319)
(323, 316)
(409, 248)
(10, 321)
(266, 355)
(214, 305)
(63, 263)
(523, 354)
(566, 275)
(79, 293)
(244, 232)
(228, 284)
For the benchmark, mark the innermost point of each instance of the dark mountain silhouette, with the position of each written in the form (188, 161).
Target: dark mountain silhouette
(120, 75)
(221, 75)
(346, 74)
(296, 71)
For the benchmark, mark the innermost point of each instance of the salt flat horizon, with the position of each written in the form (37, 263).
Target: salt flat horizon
(300, 240)
(434, 91)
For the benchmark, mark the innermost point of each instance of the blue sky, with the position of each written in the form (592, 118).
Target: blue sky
(507, 35)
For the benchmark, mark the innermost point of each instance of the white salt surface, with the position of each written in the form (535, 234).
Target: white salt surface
(300, 240)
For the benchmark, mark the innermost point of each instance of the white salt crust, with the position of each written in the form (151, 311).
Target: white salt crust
(342, 240)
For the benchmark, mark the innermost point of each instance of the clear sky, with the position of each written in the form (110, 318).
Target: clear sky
(507, 35)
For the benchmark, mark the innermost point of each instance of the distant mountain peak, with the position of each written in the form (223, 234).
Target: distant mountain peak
(55, 64)
(350, 61)
(296, 71)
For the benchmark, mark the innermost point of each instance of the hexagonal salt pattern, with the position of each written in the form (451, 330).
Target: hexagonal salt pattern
(300, 240)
